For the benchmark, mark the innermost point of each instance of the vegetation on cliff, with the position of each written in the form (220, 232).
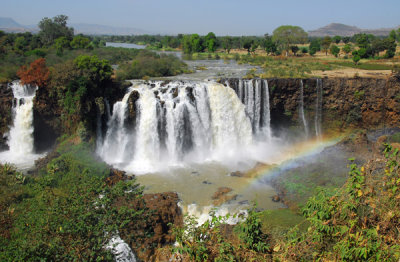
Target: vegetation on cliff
(358, 222)
(57, 43)
(67, 211)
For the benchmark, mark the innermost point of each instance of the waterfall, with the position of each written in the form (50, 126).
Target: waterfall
(303, 118)
(178, 122)
(20, 138)
(318, 109)
(117, 137)
(255, 97)
(266, 112)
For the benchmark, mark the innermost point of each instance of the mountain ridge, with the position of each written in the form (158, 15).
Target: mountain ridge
(334, 29)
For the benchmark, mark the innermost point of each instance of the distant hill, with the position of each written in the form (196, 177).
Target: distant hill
(11, 26)
(347, 30)
(93, 29)
(8, 24)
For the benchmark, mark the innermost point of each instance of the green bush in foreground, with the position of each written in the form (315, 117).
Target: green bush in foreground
(66, 213)
(360, 222)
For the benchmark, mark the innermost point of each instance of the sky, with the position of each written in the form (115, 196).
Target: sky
(223, 17)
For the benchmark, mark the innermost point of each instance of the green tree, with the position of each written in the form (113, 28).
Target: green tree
(294, 49)
(347, 48)
(270, 46)
(326, 42)
(80, 42)
(247, 44)
(363, 40)
(356, 56)
(346, 39)
(335, 50)
(393, 35)
(390, 46)
(93, 68)
(187, 44)
(227, 43)
(20, 44)
(60, 44)
(211, 42)
(337, 39)
(196, 43)
(287, 35)
(51, 29)
(315, 46)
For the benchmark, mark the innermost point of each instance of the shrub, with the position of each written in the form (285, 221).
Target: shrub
(37, 73)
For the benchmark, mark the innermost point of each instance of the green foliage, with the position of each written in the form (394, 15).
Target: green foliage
(227, 44)
(197, 240)
(51, 29)
(80, 42)
(95, 69)
(60, 44)
(247, 44)
(151, 65)
(356, 57)
(346, 48)
(336, 39)
(354, 115)
(65, 213)
(357, 222)
(211, 42)
(334, 50)
(193, 44)
(294, 49)
(270, 46)
(250, 232)
(304, 50)
(208, 242)
(325, 44)
(287, 35)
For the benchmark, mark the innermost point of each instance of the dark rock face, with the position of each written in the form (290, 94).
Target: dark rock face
(346, 102)
(132, 109)
(46, 120)
(6, 102)
(163, 211)
(116, 176)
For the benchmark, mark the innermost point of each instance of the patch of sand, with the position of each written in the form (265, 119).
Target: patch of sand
(352, 72)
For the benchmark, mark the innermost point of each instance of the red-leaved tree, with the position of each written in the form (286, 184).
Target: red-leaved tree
(37, 73)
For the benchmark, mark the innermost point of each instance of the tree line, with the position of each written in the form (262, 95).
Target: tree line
(284, 39)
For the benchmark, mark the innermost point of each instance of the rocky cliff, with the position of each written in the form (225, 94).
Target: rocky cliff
(344, 102)
(6, 101)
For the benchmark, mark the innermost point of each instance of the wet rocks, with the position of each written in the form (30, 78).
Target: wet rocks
(276, 198)
(116, 176)
(6, 101)
(163, 212)
(237, 174)
(221, 196)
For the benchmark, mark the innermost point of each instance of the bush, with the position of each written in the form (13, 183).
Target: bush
(37, 73)
(151, 65)
(59, 214)
(359, 222)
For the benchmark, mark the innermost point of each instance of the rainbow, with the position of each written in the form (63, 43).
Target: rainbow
(288, 158)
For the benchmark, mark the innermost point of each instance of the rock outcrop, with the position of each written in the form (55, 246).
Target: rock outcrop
(162, 213)
(346, 102)
(6, 101)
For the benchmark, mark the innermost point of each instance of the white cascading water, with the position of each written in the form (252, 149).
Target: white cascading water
(302, 115)
(254, 94)
(318, 109)
(180, 122)
(20, 138)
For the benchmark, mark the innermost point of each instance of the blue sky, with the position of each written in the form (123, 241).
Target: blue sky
(234, 17)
